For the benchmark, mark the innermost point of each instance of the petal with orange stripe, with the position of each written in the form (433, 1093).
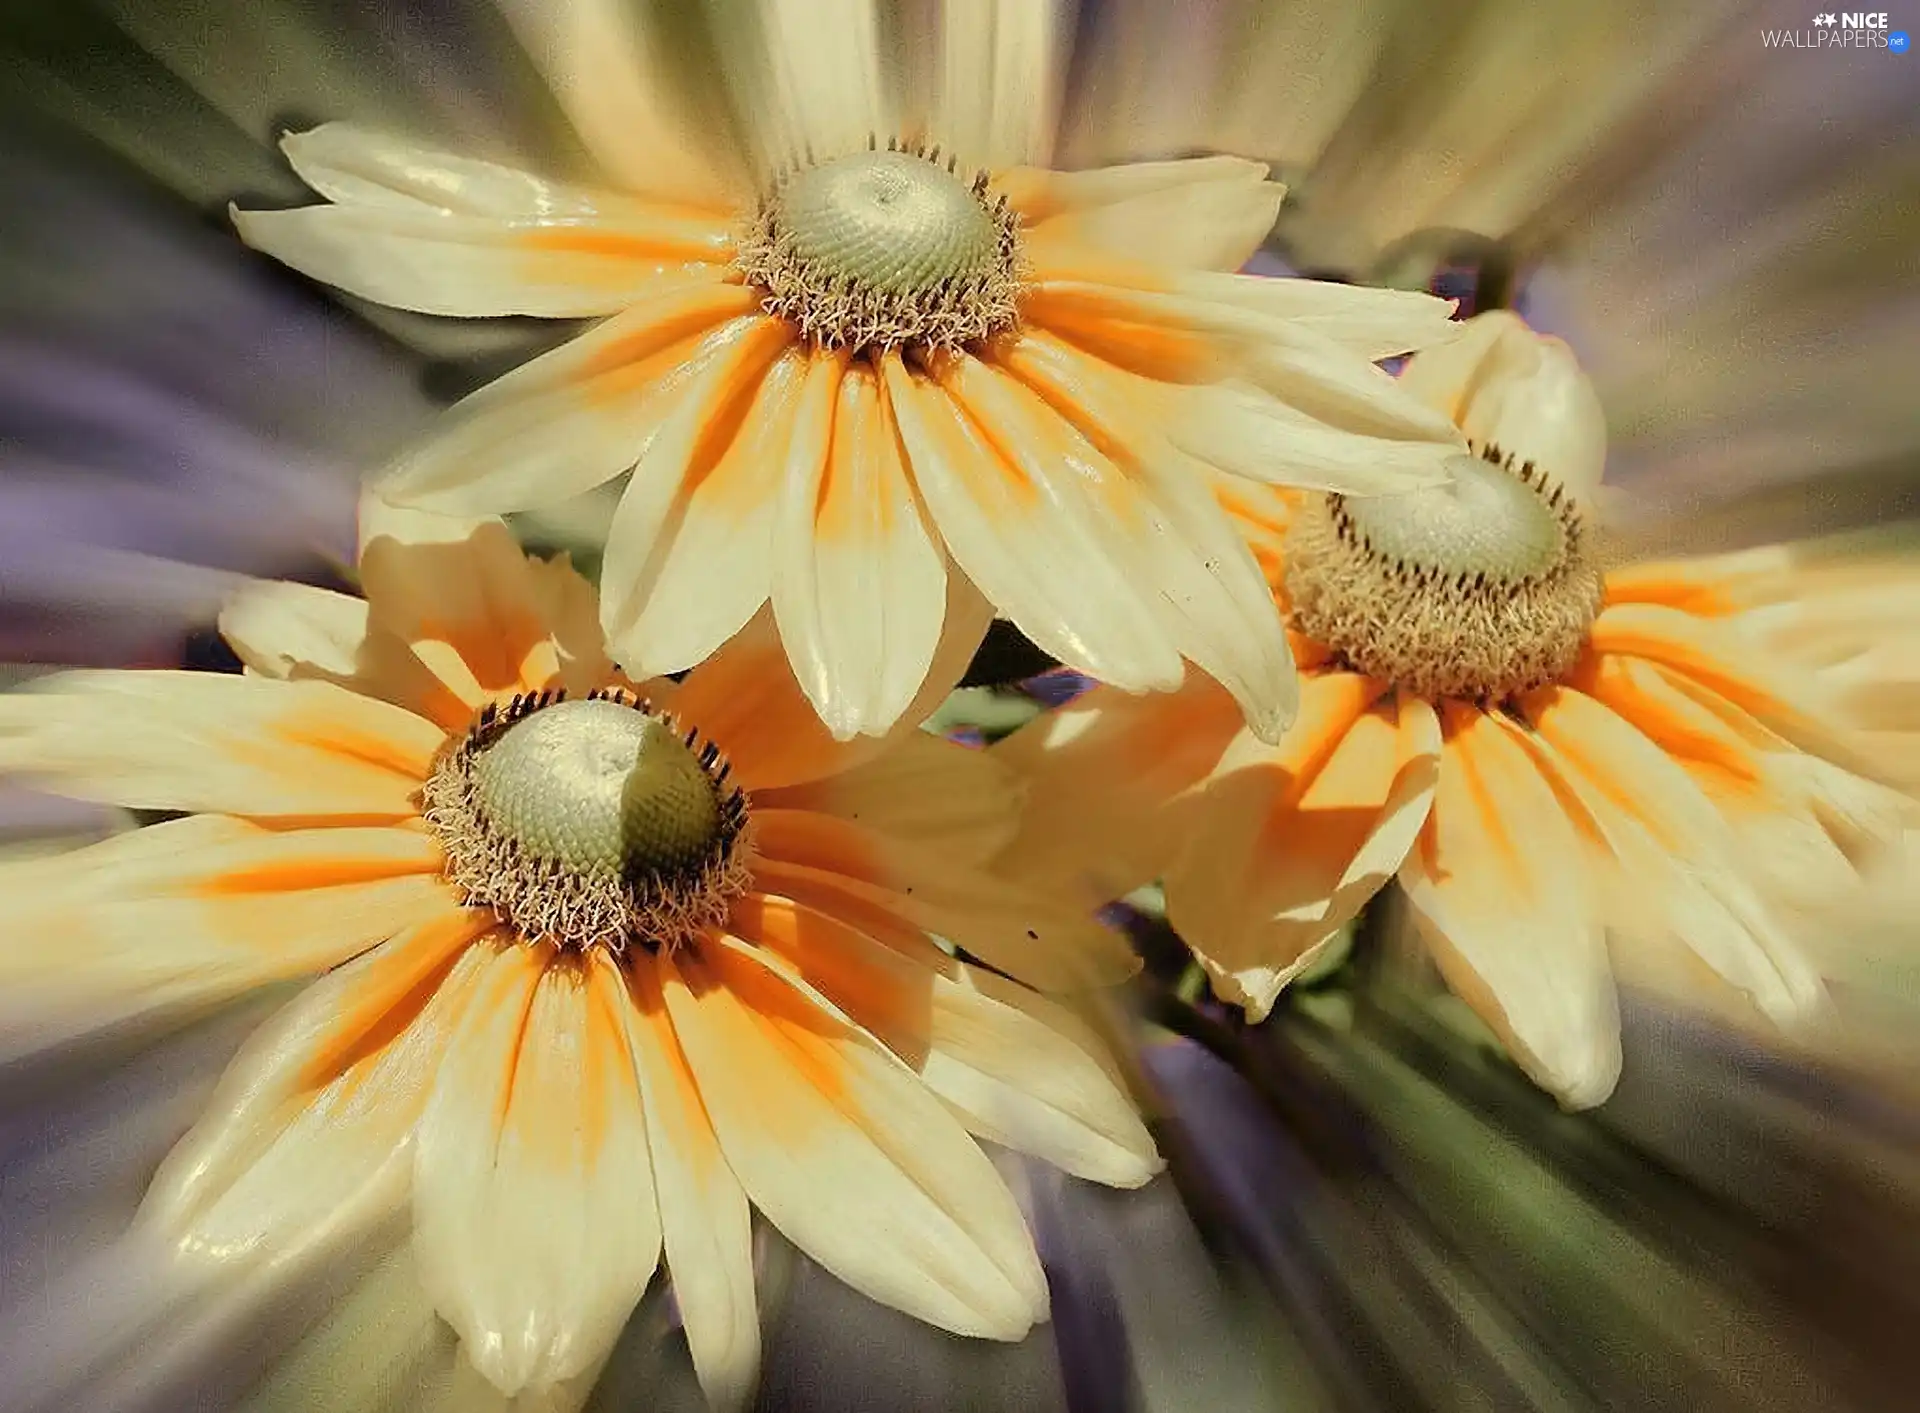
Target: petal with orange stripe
(716, 393)
(320, 1105)
(205, 741)
(859, 583)
(570, 419)
(709, 571)
(847, 1153)
(1044, 941)
(1283, 857)
(1017, 1069)
(1502, 890)
(536, 1227)
(706, 1224)
(1027, 508)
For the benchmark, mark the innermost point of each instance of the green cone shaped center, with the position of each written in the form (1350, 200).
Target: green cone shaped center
(1485, 521)
(598, 788)
(888, 222)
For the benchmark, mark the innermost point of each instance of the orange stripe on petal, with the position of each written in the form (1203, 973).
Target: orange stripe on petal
(1647, 696)
(673, 337)
(1122, 331)
(666, 239)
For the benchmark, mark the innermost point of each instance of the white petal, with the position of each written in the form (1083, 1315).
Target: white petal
(843, 1150)
(707, 1227)
(321, 1104)
(1017, 515)
(999, 85)
(570, 419)
(812, 88)
(205, 741)
(614, 70)
(1371, 323)
(1207, 213)
(860, 587)
(1501, 887)
(536, 1228)
(1016, 1068)
(1504, 384)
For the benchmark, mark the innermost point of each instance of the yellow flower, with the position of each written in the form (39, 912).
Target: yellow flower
(597, 966)
(860, 338)
(1564, 769)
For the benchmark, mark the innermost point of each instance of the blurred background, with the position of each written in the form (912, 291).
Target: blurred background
(1366, 1208)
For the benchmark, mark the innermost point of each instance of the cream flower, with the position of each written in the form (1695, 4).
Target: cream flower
(858, 340)
(596, 967)
(1565, 770)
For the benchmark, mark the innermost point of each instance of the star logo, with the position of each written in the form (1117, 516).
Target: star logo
(1823, 19)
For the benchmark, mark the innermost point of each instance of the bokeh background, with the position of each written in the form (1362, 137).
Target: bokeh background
(1367, 1209)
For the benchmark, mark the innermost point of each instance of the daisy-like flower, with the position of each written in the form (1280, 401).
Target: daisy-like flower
(861, 338)
(1563, 768)
(600, 965)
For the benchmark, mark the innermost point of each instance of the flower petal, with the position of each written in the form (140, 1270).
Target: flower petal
(745, 698)
(1502, 891)
(1024, 509)
(859, 585)
(568, 420)
(1111, 782)
(1206, 213)
(1284, 857)
(1678, 873)
(436, 262)
(844, 1150)
(710, 568)
(622, 81)
(1043, 941)
(719, 390)
(704, 1217)
(999, 87)
(810, 85)
(1017, 1069)
(946, 796)
(202, 741)
(322, 1102)
(536, 1228)
(1501, 383)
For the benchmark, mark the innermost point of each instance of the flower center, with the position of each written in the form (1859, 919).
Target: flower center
(1477, 589)
(591, 822)
(881, 250)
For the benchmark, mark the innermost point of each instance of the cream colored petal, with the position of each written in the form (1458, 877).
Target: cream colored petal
(1111, 783)
(1372, 323)
(360, 166)
(321, 1104)
(1501, 887)
(568, 420)
(435, 262)
(963, 802)
(1015, 1068)
(296, 632)
(1286, 856)
(998, 86)
(717, 391)
(626, 86)
(1503, 384)
(536, 1228)
(1046, 941)
(848, 1154)
(711, 566)
(745, 698)
(807, 77)
(167, 921)
(205, 741)
(1206, 213)
(707, 1226)
(1679, 876)
(859, 584)
(1023, 507)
